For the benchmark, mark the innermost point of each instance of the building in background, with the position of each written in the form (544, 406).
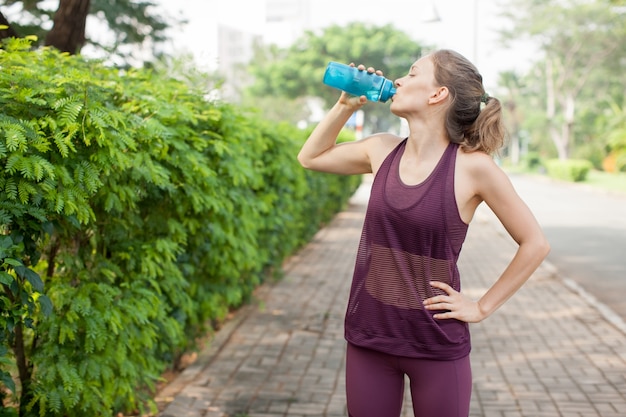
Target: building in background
(235, 48)
(284, 22)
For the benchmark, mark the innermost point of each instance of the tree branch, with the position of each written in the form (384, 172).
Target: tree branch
(9, 32)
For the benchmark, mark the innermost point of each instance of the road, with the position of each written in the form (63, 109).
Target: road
(587, 232)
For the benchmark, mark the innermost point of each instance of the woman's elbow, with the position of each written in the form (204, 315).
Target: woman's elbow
(542, 247)
(304, 161)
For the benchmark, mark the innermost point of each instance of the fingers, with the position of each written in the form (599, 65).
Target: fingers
(446, 315)
(371, 70)
(440, 306)
(446, 310)
(441, 302)
(443, 286)
(356, 101)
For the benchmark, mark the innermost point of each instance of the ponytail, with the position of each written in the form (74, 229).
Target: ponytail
(475, 129)
(487, 132)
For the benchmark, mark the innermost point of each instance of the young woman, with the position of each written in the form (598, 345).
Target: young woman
(406, 314)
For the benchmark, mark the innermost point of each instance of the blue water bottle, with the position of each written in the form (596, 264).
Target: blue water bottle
(358, 83)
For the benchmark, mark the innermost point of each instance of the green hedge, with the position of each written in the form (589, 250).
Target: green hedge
(132, 213)
(569, 170)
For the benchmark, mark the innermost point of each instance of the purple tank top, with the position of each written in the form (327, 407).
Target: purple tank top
(412, 235)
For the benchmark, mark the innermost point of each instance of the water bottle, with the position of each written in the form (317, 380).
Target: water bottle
(358, 83)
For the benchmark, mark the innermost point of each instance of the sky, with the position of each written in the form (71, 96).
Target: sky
(467, 26)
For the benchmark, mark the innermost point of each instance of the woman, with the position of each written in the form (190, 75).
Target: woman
(406, 314)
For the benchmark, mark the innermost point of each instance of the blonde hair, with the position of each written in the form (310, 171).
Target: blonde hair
(475, 129)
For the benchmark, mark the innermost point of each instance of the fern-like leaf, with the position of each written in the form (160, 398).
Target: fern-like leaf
(10, 188)
(59, 203)
(59, 141)
(90, 176)
(25, 189)
(12, 164)
(54, 401)
(37, 213)
(63, 139)
(3, 149)
(42, 168)
(69, 109)
(5, 218)
(14, 136)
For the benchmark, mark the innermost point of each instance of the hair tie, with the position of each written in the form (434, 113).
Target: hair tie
(484, 98)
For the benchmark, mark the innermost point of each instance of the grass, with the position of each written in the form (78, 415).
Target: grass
(607, 181)
(613, 182)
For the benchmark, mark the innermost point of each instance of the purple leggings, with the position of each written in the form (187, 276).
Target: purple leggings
(375, 385)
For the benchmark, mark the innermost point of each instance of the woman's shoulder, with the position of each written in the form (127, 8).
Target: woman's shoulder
(476, 160)
(479, 166)
(385, 138)
(383, 143)
(380, 145)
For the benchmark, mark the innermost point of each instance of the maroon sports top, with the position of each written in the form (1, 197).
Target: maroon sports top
(412, 235)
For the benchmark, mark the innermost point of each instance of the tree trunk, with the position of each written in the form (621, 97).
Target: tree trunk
(514, 148)
(9, 32)
(514, 145)
(560, 137)
(68, 32)
(24, 369)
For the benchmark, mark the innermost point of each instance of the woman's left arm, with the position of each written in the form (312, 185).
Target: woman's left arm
(494, 188)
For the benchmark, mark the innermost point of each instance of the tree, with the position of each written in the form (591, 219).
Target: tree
(512, 85)
(6, 31)
(130, 23)
(578, 39)
(68, 32)
(297, 71)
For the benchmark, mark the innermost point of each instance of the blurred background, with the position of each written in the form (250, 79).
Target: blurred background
(558, 66)
(229, 89)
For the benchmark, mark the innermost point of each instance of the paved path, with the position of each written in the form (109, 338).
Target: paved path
(587, 229)
(548, 352)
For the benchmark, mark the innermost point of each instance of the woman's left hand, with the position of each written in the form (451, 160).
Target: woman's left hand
(458, 306)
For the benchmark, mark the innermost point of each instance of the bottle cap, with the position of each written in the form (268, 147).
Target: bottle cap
(387, 91)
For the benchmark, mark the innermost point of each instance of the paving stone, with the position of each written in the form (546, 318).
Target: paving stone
(546, 353)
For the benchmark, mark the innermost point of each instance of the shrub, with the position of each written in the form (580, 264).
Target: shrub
(133, 214)
(531, 160)
(570, 170)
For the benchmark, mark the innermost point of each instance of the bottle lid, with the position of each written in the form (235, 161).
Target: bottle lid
(387, 91)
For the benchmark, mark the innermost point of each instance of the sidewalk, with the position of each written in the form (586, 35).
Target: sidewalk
(547, 352)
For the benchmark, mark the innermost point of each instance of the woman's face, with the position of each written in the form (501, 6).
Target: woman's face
(414, 89)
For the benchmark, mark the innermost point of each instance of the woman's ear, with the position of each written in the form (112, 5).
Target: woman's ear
(438, 96)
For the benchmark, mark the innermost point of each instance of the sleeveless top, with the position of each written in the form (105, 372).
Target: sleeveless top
(411, 235)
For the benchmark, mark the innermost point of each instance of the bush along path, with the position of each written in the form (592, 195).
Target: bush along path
(132, 213)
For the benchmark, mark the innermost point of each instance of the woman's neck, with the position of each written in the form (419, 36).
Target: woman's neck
(426, 138)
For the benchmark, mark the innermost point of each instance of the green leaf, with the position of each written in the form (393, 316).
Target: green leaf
(8, 382)
(35, 280)
(13, 262)
(6, 278)
(31, 276)
(10, 188)
(46, 304)
(5, 243)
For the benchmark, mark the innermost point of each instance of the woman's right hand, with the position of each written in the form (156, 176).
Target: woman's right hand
(353, 102)
(356, 102)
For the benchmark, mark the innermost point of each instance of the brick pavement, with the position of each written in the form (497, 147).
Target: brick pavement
(548, 352)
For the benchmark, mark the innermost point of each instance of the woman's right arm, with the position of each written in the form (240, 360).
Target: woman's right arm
(321, 152)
